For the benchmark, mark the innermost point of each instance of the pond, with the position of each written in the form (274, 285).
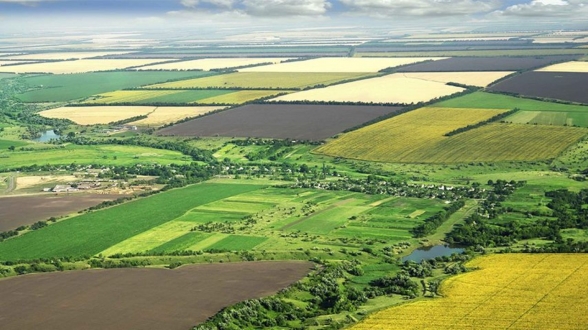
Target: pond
(48, 135)
(430, 252)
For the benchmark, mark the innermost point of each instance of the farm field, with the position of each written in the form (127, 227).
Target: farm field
(78, 66)
(155, 96)
(91, 233)
(4, 144)
(16, 211)
(239, 97)
(208, 64)
(165, 115)
(96, 115)
(567, 86)
(62, 55)
(95, 154)
(387, 89)
(2, 63)
(272, 80)
(576, 66)
(145, 298)
(300, 122)
(338, 64)
(509, 291)
(477, 53)
(480, 79)
(6, 75)
(460, 64)
(499, 101)
(550, 118)
(58, 88)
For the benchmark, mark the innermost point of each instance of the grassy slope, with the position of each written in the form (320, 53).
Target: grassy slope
(91, 233)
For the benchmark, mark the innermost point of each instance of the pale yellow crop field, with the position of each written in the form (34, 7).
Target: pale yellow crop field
(238, 97)
(96, 115)
(63, 55)
(387, 89)
(79, 66)
(340, 64)
(165, 115)
(208, 64)
(12, 62)
(480, 79)
(508, 291)
(574, 66)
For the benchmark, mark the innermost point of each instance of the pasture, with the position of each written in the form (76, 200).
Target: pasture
(96, 115)
(504, 63)
(300, 122)
(567, 86)
(393, 88)
(269, 80)
(575, 66)
(62, 55)
(165, 115)
(79, 66)
(91, 233)
(208, 64)
(155, 96)
(59, 88)
(479, 79)
(550, 118)
(338, 64)
(150, 299)
(95, 154)
(508, 291)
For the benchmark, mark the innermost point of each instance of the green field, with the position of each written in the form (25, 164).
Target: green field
(66, 87)
(238, 243)
(95, 154)
(239, 97)
(142, 97)
(499, 101)
(274, 80)
(550, 118)
(4, 144)
(183, 242)
(6, 75)
(92, 233)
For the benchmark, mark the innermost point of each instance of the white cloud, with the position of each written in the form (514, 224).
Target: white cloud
(217, 3)
(411, 8)
(548, 8)
(286, 7)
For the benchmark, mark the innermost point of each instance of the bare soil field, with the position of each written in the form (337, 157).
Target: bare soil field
(301, 122)
(138, 298)
(574, 66)
(24, 182)
(480, 79)
(339, 64)
(63, 55)
(567, 86)
(208, 64)
(393, 88)
(487, 63)
(25, 210)
(78, 66)
(98, 114)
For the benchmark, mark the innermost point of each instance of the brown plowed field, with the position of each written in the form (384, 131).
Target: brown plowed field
(300, 122)
(487, 63)
(25, 210)
(567, 86)
(138, 298)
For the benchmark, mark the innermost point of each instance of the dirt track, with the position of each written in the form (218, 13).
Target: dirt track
(138, 298)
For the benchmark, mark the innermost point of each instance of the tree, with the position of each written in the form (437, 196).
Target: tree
(11, 148)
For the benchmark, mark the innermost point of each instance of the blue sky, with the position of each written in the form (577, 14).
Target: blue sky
(448, 12)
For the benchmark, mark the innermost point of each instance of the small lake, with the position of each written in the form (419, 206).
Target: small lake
(48, 135)
(430, 252)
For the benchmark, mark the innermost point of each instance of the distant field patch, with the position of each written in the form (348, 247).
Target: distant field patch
(274, 80)
(5, 144)
(96, 115)
(62, 55)
(480, 79)
(575, 66)
(2, 63)
(478, 53)
(550, 118)
(58, 88)
(79, 66)
(165, 115)
(238, 243)
(387, 89)
(499, 101)
(508, 291)
(338, 64)
(207, 64)
(568, 86)
(405, 138)
(306, 122)
(238, 97)
(156, 96)
(501, 63)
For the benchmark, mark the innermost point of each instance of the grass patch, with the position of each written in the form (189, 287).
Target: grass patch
(182, 243)
(238, 243)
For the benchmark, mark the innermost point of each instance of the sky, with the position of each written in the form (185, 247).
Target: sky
(16, 15)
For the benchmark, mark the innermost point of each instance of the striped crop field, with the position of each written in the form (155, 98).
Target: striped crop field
(274, 80)
(508, 291)
(156, 96)
(405, 138)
